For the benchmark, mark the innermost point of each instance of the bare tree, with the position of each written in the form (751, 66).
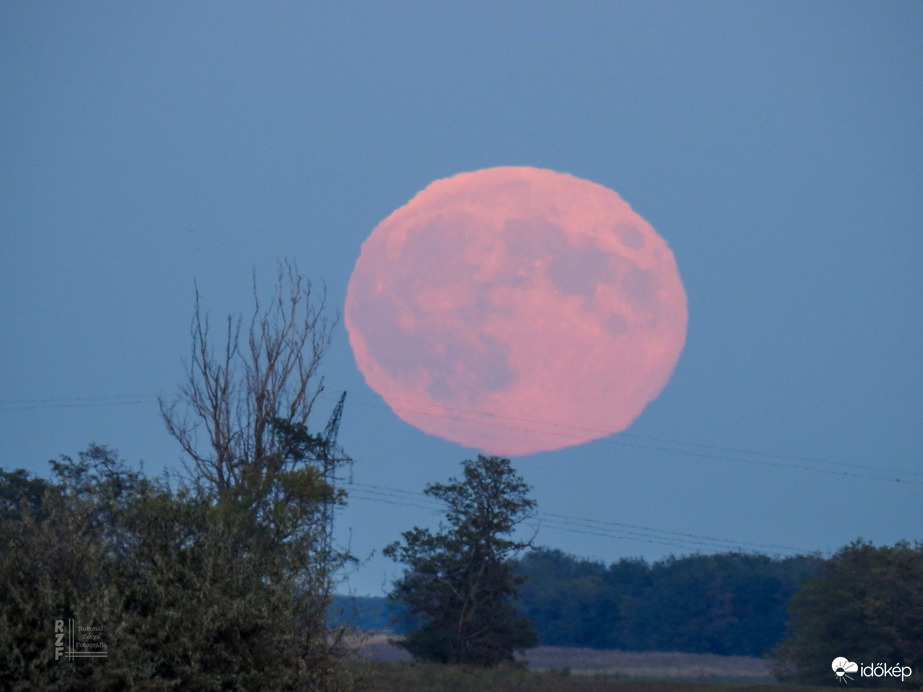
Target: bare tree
(239, 385)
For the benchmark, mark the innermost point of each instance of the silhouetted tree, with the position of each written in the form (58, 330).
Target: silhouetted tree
(242, 418)
(460, 582)
(59, 540)
(220, 580)
(238, 385)
(192, 594)
(866, 605)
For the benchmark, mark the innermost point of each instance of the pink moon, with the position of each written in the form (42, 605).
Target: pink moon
(516, 310)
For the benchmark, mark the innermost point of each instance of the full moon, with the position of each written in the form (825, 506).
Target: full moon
(516, 310)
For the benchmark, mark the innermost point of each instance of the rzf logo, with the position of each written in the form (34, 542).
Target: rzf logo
(58, 639)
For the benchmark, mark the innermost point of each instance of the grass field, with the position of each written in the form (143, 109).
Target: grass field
(381, 666)
(418, 677)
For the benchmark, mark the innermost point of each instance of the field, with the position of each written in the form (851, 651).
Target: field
(382, 666)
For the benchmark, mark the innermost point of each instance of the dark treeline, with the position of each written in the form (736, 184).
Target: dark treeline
(732, 603)
(864, 601)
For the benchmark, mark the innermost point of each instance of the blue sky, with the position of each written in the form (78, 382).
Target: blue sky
(776, 146)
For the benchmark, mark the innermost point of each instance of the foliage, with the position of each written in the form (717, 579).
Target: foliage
(723, 604)
(460, 581)
(370, 613)
(566, 599)
(268, 480)
(192, 594)
(56, 562)
(866, 605)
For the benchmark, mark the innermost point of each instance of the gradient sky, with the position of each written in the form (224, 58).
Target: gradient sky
(776, 146)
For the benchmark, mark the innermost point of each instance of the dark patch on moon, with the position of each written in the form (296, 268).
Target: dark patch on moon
(436, 251)
(616, 325)
(459, 367)
(447, 346)
(526, 240)
(455, 363)
(629, 235)
(578, 271)
(641, 286)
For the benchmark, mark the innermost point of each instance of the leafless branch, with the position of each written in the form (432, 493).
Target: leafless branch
(233, 391)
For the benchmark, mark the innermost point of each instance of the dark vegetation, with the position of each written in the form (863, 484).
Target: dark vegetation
(192, 593)
(729, 604)
(865, 602)
(460, 584)
(199, 593)
(867, 605)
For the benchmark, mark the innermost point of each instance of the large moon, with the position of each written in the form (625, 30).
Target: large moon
(516, 310)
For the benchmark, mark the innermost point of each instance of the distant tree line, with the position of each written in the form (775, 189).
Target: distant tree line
(865, 602)
(728, 604)
(732, 603)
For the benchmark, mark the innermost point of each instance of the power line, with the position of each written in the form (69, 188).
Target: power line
(731, 454)
(774, 455)
(392, 496)
(666, 534)
(583, 525)
(606, 529)
(78, 401)
(648, 443)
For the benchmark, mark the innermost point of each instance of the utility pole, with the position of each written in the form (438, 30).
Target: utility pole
(331, 456)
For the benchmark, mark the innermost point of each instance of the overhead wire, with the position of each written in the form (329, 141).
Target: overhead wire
(79, 401)
(555, 521)
(729, 454)
(648, 443)
(581, 525)
(667, 535)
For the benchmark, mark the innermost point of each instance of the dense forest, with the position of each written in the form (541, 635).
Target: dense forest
(731, 603)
